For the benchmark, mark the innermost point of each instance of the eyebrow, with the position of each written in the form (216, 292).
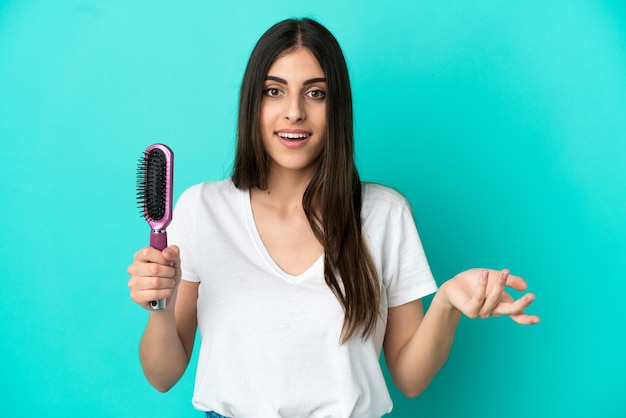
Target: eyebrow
(306, 82)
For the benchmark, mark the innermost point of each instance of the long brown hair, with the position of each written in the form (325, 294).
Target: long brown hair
(332, 200)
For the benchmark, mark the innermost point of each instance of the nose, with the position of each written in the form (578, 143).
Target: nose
(294, 111)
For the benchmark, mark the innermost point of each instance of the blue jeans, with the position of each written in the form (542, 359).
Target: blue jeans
(213, 415)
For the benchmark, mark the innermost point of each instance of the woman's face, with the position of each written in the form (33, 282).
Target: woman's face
(293, 112)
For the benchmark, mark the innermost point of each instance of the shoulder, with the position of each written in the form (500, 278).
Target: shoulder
(378, 197)
(375, 191)
(385, 210)
(209, 188)
(213, 193)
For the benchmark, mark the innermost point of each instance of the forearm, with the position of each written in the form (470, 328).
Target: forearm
(428, 349)
(162, 353)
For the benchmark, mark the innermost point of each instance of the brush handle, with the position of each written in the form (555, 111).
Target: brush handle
(158, 240)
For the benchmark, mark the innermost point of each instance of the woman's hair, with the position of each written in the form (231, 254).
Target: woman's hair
(332, 200)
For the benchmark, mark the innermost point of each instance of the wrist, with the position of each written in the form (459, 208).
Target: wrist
(441, 302)
(163, 318)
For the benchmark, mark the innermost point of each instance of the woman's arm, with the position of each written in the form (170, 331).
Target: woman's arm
(417, 345)
(167, 342)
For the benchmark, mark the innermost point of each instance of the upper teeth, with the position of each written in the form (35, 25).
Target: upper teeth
(290, 135)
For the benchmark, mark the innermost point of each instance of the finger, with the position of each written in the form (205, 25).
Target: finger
(478, 298)
(145, 297)
(505, 298)
(149, 255)
(525, 319)
(155, 283)
(514, 307)
(494, 295)
(143, 269)
(517, 283)
(172, 255)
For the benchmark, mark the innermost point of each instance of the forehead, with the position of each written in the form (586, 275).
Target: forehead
(295, 64)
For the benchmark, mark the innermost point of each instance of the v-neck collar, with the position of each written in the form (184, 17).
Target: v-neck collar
(314, 269)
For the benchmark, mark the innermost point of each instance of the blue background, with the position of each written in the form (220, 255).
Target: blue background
(503, 122)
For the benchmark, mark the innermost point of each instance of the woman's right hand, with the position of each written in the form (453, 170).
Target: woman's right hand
(155, 275)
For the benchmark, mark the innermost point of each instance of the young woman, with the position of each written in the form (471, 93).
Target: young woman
(297, 273)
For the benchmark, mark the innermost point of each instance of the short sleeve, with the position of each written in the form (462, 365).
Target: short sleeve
(180, 231)
(408, 276)
(395, 246)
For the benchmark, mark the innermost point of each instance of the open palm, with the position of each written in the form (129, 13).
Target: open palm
(480, 293)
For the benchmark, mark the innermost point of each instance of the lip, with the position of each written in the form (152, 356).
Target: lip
(293, 143)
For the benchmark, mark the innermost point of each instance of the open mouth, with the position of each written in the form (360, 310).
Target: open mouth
(293, 136)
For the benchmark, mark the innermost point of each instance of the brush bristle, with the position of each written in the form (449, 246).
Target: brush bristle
(152, 184)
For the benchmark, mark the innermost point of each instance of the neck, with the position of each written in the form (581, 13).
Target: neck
(285, 188)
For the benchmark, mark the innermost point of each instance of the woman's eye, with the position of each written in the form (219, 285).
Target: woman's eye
(272, 92)
(317, 94)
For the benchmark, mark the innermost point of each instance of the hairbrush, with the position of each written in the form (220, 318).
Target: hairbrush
(155, 179)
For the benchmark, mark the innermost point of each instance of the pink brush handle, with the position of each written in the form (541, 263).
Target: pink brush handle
(158, 240)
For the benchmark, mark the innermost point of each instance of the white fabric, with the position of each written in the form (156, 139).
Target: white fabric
(270, 341)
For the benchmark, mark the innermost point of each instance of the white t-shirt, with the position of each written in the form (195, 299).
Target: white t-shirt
(270, 341)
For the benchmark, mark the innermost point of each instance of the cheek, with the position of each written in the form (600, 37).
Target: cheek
(316, 114)
(262, 117)
(267, 116)
(322, 124)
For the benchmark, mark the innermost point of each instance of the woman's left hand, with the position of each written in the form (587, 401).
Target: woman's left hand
(480, 293)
